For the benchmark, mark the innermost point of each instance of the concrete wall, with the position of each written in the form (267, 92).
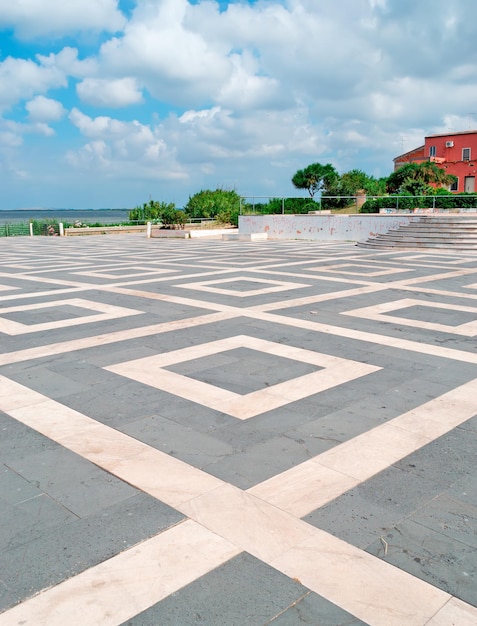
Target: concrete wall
(321, 227)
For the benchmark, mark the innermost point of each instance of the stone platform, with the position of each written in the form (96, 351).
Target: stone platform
(230, 433)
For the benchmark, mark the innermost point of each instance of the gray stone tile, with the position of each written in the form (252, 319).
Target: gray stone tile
(28, 520)
(52, 384)
(243, 370)
(365, 513)
(260, 462)
(17, 440)
(70, 480)
(314, 610)
(431, 556)
(445, 460)
(53, 314)
(116, 405)
(241, 591)
(14, 488)
(434, 315)
(451, 517)
(183, 442)
(338, 426)
(470, 424)
(70, 548)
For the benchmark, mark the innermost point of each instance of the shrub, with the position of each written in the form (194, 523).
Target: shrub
(208, 204)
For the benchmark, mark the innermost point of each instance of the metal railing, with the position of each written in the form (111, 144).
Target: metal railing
(255, 205)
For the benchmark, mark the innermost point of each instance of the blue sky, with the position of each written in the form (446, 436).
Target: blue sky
(105, 103)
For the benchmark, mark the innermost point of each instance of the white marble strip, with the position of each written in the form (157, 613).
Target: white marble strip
(362, 584)
(312, 484)
(129, 583)
(103, 312)
(63, 347)
(323, 297)
(360, 335)
(228, 312)
(160, 475)
(358, 582)
(455, 613)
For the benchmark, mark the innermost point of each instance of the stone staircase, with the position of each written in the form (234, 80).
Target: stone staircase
(450, 232)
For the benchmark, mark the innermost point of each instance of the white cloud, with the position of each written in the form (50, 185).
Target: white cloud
(122, 148)
(42, 109)
(21, 79)
(174, 62)
(116, 93)
(248, 94)
(40, 18)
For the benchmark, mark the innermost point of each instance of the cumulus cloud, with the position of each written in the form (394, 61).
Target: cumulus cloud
(123, 148)
(24, 78)
(245, 91)
(174, 62)
(21, 78)
(40, 18)
(114, 93)
(42, 109)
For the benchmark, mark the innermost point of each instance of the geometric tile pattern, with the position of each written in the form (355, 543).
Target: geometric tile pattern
(380, 312)
(103, 312)
(150, 371)
(236, 433)
(276, 286)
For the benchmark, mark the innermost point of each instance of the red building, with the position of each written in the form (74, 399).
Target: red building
(456, 153)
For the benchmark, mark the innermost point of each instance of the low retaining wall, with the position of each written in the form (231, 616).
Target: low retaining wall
(429, 211)
(213, 233)
(322, 227)
(104, 230)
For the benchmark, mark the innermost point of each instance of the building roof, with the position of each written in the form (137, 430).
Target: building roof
(452, 134)
(405, 154)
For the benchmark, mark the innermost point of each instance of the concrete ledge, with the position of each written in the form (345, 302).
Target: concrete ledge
(166, 233)
(245, 237)
(341, 227)
(216, 233)
(104, 230)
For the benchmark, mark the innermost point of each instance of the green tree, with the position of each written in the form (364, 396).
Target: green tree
(314, 178)
(163, 212)
(350, 184)
(208, 204)
(151, 211)
(415, 179)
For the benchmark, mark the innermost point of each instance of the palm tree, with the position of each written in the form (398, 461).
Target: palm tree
(415, 179)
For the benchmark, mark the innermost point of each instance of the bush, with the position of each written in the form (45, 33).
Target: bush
(441, 200)
(163, 212)
(208, 204)
(278, 205)
(50, 228)
(152, 211)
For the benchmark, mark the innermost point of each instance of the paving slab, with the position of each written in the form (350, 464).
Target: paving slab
(231, 432)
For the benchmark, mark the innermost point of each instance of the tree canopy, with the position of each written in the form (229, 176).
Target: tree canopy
(314, 177)
(163, 212)
(352, 183)
(415, 179)
(221, 204)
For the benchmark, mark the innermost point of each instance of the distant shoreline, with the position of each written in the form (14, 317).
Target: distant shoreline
(16, 216)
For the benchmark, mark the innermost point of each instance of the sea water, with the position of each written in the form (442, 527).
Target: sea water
(85, 216)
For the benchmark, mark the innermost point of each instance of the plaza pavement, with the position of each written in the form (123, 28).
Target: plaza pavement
(229, 433)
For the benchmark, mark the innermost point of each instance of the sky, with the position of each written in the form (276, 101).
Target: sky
(110, 103)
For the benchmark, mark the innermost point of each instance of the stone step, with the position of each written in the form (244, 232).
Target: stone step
(413, 246)
(456, 233)
(430, 235)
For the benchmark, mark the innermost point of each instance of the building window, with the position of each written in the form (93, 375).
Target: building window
(466, 154)
(455, 185)
(432, 151)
